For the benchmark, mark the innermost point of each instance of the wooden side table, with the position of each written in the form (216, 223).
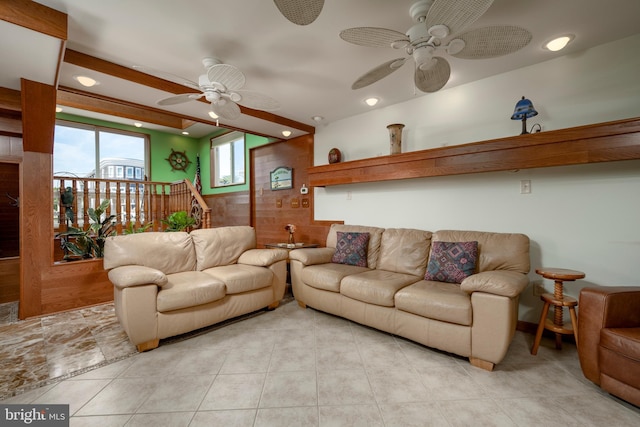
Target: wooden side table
(559, 301)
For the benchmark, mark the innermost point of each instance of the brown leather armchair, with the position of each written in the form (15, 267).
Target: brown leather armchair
(609, 345)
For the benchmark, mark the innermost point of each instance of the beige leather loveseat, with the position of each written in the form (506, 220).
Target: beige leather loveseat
(475, 318)
(166, 284)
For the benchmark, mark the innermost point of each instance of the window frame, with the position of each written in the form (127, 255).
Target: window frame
(96, 130)
(229, 138)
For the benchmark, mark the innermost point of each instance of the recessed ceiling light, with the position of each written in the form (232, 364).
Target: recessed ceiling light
(138, 124)
(317, 118)
(184, 132)
(86, 81)
(58, 109)
(286, 133)
(213, 115)
(371, 101)
(559, 43)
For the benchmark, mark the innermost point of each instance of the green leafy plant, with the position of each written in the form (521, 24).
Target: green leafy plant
(178, 221)
(131, 228)
(89, 243)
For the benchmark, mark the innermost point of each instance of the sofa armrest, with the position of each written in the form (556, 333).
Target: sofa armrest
(311, 256)
(136, 275)
(498, 282)
(263, 257)
(603, 307)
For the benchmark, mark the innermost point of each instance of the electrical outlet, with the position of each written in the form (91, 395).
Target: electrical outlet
(348, 195)
(538, 288)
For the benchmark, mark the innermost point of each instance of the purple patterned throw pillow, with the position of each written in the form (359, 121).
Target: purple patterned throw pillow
(451, 262)
(351, 248)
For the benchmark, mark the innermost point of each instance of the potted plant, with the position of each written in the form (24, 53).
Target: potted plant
(88, 243)
(178, 221)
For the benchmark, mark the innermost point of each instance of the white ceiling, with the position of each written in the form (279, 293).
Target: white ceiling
(308, 69)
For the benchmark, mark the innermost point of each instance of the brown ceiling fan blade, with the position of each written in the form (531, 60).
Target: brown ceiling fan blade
(300, 12)
(490, 42)
(373, 36)
(378, 73)
(456, 14)
(434, 78)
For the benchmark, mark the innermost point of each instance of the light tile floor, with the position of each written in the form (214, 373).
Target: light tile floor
(301, 367)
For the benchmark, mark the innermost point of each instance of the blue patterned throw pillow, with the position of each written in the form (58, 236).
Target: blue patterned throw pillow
(451, 262)
(351, 248)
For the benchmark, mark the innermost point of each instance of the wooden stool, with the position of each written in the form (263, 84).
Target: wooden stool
(558, 300)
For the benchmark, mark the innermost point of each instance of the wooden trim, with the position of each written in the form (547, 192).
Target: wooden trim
(36, 17)
(101, 104)
(38, 116)
(130, 74)
(10, 99)
(604, 142)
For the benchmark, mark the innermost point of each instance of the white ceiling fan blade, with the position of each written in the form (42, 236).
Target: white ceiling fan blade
(227, 110)
(300, 12)
(167, 76)
(228, 75)
(179, 99)
(456, 14)
(490, 42)
(378, 73)
(256, 100)
(374, 37)
(434, 78)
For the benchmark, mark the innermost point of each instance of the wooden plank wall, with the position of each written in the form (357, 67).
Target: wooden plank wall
(9, 279)
(271, 210)
(9, 211)
(229, 208)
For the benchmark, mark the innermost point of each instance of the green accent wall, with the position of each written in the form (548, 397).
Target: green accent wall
(161, 144)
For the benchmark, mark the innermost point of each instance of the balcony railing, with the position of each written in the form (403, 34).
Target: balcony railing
(134, 203)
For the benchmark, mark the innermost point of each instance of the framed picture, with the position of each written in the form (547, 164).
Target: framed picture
(281, 178)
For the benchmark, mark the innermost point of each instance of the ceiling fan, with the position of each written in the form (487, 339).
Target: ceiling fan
(301, 12)
(438, 30)
(221, 85)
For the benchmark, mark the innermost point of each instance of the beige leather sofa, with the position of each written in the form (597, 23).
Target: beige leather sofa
(166, 284)
(474, 319)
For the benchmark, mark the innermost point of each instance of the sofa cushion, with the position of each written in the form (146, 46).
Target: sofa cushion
(222, 245)
(241, 278)
(328, 276)
(624, 341)
(351, 248)
(451, 262)
(436, 300)
(375, 234)
(172, 252)
(404, 250)
(376, 286)
(496, 251)
(189, 289)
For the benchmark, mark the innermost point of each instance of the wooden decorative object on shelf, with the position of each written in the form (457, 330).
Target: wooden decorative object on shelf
(335, 156)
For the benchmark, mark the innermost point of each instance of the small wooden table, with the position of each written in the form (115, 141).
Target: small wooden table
(290, 246)
(558, 300)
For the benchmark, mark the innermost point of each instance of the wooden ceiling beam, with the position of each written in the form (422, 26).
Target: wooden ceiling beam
(86, 61)
(36, 17)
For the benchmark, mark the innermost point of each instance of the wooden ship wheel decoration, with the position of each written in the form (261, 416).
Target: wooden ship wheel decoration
(178, 160)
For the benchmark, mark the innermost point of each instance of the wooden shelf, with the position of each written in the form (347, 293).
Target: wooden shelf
(603, 142)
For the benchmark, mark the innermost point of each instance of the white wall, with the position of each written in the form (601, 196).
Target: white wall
(583, 217)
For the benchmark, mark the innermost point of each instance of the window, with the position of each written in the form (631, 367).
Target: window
(227, 160)
(89, 151)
